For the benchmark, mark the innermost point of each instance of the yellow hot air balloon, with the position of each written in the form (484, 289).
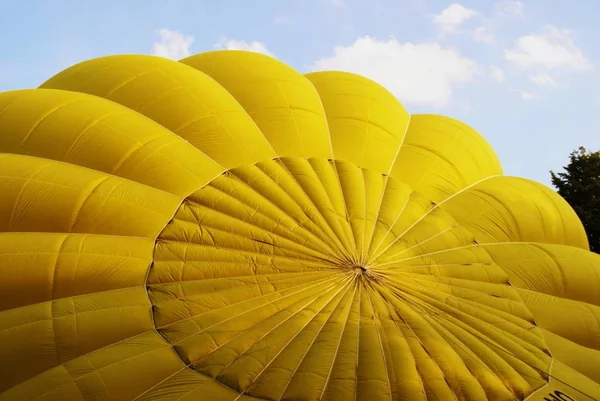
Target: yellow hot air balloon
(224, 228)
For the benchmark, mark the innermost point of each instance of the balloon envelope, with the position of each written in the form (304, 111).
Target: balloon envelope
(226, 228)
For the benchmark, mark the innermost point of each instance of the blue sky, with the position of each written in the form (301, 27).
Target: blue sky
(523, 73)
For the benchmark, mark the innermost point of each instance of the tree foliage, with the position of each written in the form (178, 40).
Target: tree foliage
(579, 184)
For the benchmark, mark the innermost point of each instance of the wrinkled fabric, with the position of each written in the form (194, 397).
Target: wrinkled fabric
(225, 228)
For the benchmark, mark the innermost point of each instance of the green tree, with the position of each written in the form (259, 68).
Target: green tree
(579, 184)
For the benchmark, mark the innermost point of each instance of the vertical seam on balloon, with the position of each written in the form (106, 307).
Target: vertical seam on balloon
(429, 169)
(347, 217)
(514, 289)
(333, 159)
(391, 227)
(247, 311)
(311, 301)
(416, 306)
(186, 366)
(321, 275)
(429, 254)
(394, 311)
(346, 252)
(305, 250)
(361, 257)
(378, 325)
(58, 361)
(356, 368)
(263, 370)
(320, 229)
(163, 380)
(438, 234)
(335, 355)
(435, 207)
(417, 338)
(387, 178)
(411, 289)
(333, 162)
(342, 248)
(461, 344)
(395, 160)
(480, 246)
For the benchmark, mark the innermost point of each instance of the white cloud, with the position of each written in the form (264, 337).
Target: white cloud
(497, 73)
(254, 46)
(423, 74)
(510, 8)
(172, 44)
(543, 80)
(335, 3)
(551, 49)
(452, 17)
(528, 95)
(483, 35)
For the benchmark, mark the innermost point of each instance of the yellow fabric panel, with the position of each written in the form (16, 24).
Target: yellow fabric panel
(187, 385)
(440, 156)
(567, 384)
(92, 132)
(119, 372)
(557, 270)
(52, 333)
(445, 345)
(354, 192)
(362, 191)
(396, 204)
(247, 289)
(180, 98)
(281, 101)
(512, 209)
(421, 228)
(62, 265)
(582, 359)
(367, 123)
(48, 196)
(576, 321)
(303, 193)
(320, 181)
